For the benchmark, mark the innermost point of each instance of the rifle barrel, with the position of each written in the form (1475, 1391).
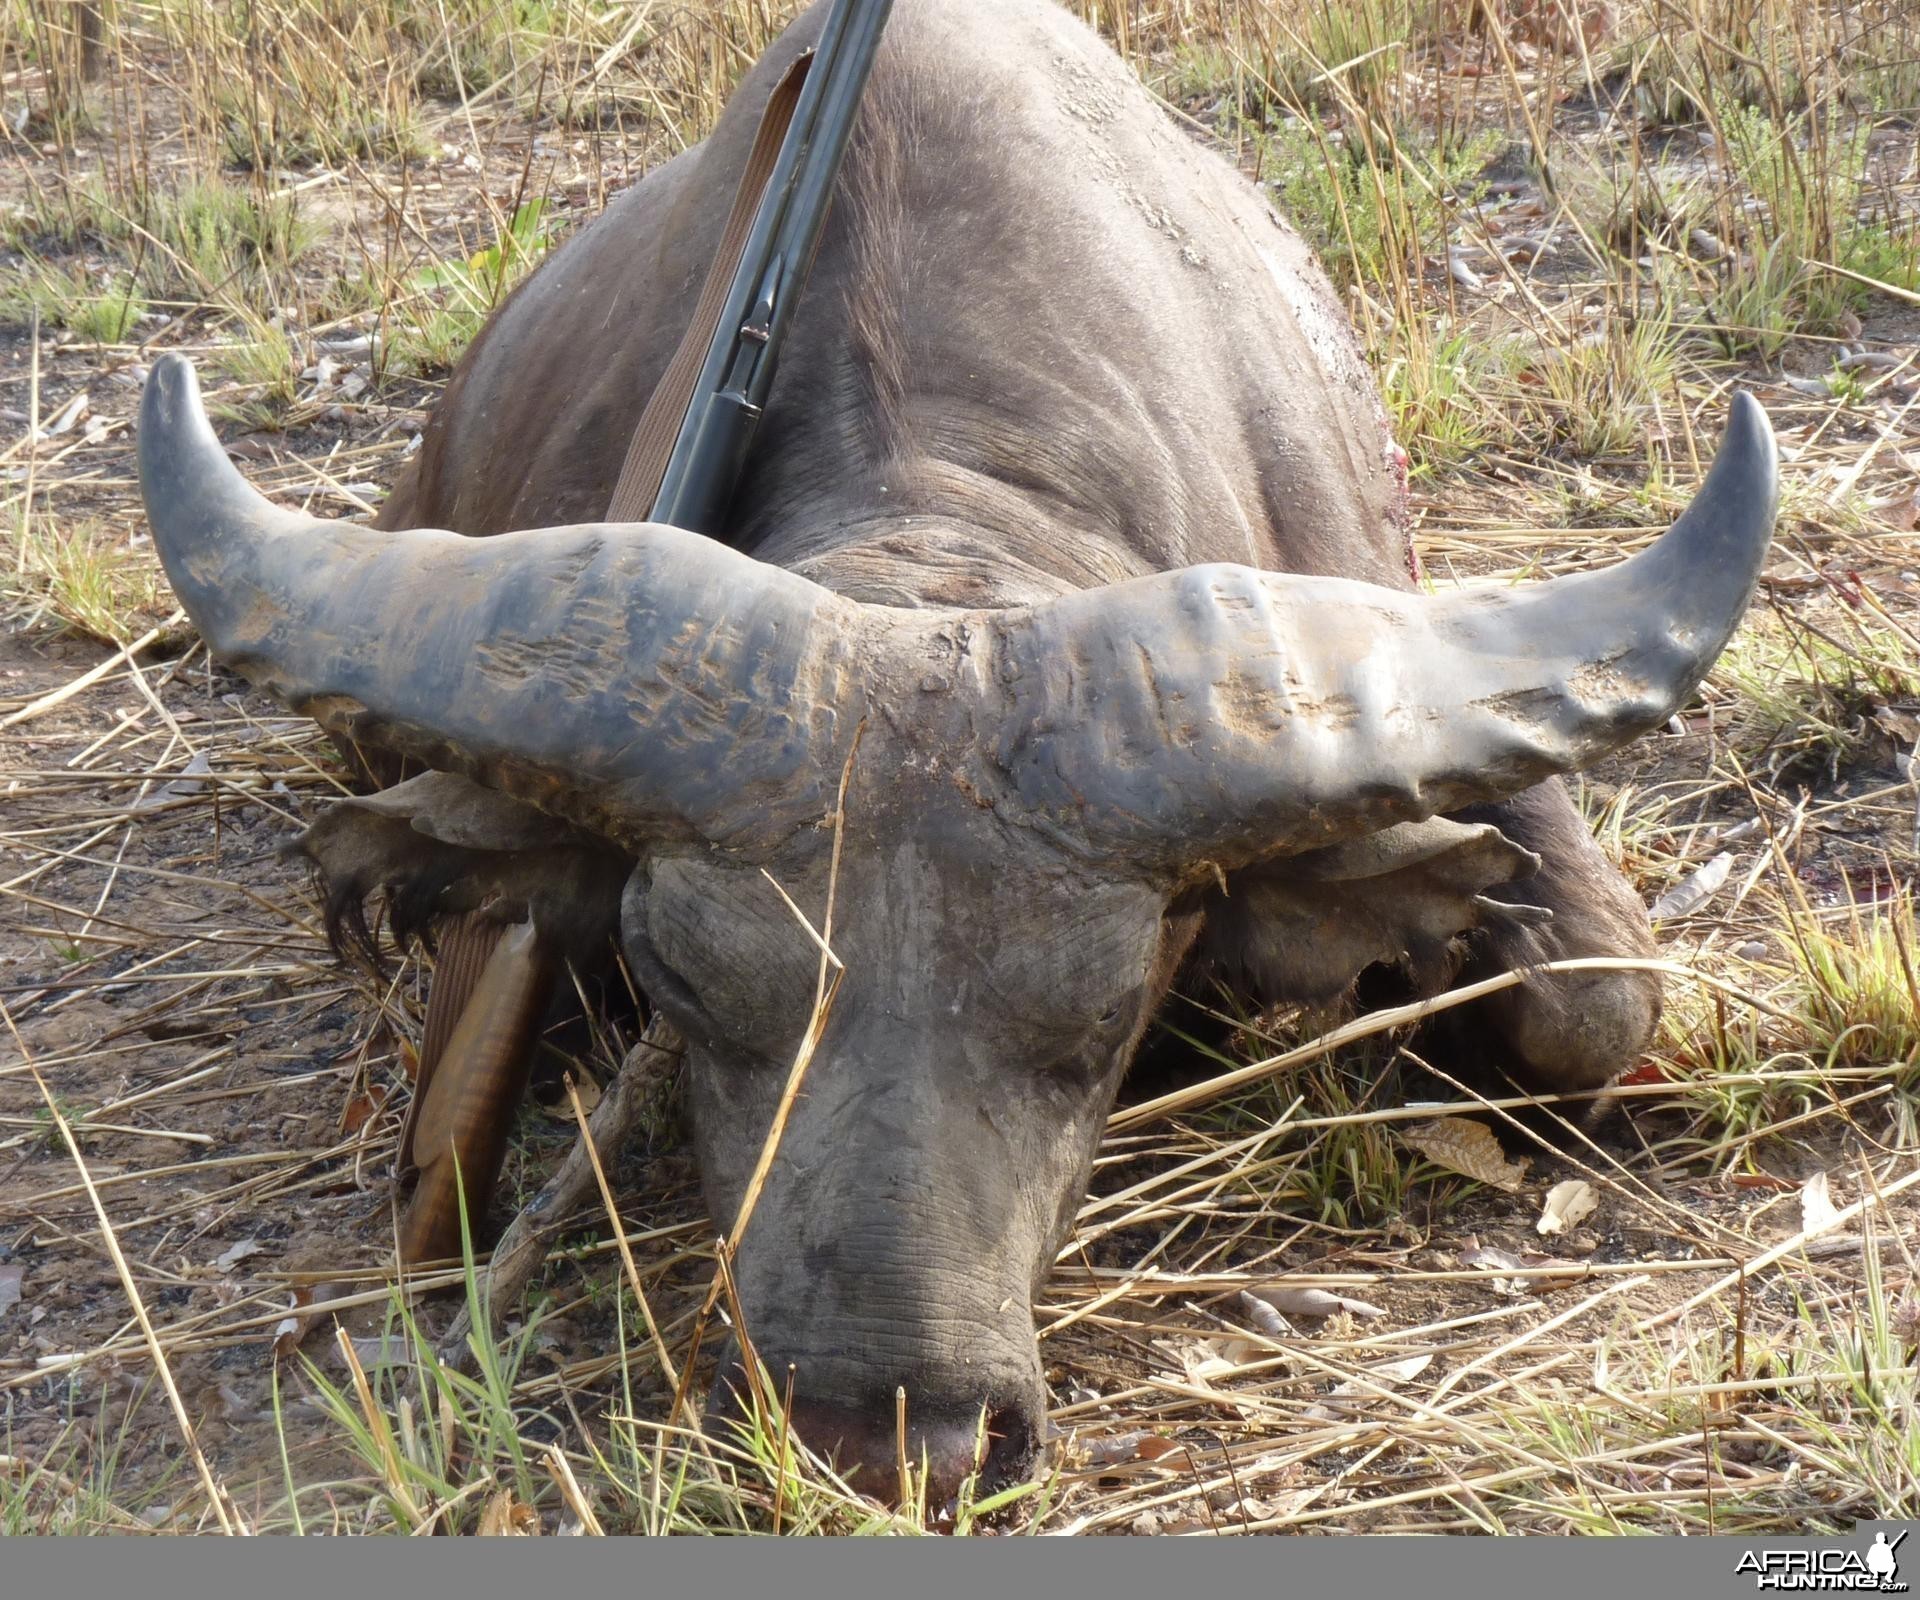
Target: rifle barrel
(730, 397)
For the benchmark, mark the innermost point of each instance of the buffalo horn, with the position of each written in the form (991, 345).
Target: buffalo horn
(637, 679)
(1217, 715)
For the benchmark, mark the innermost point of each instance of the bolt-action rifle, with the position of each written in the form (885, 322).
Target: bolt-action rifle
(729, 396)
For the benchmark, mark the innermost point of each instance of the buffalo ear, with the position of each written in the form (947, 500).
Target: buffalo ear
(1301, 929)
(440, 846)
(453, 810)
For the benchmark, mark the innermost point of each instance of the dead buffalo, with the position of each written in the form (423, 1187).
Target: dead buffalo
(1076, 510)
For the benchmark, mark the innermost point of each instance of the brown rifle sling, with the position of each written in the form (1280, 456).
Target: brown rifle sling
(468, 946)
(659, 429)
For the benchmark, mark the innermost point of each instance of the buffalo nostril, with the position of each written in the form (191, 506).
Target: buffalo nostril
(867, 1449)
(1012, 1439)
(946, 1443)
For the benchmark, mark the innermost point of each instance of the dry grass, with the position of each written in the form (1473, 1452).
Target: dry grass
(1561, 245)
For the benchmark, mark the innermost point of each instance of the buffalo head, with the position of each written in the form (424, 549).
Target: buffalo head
(1037, 797)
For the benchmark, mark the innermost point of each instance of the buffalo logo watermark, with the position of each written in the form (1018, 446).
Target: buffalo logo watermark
(1876, 1568)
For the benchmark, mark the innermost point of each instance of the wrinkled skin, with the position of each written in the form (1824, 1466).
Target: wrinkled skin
(949, 1118)
(1050, 343)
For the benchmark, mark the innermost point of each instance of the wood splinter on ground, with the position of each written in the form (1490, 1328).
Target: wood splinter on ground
(523, 1247)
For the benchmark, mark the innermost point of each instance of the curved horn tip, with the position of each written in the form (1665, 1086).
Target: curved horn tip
(192, 490)
(1729, 523)
(1749, 430)
(1745, 476)
(171, 384)
(171, 420)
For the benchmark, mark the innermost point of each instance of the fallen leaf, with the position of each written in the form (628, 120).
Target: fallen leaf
(10, 1288)
(1820, 1216)
(1567, 1203)
(192, 776)
(1468, 1148)
(504, 1516)
(1263, 1508)
(589, 1091)
(1356, 1393)
(1111, 1449)
(1123, 1449)
(1205, 1371)
(1760, 1180)
(1691, 893)
(1900, 511)
(1403, 1371)
(361, 1108)
(1817, 1210)
(290, 1330)
(192, 779)
(1492, 1259)
(305, 1309)
(1263, 1316)
(67, 418)
(1901, 722)
(1300, 1300)
(1200, 1361)
(1903, 1321)
(233, 1255)
(1646, 1072)
(382, 1351)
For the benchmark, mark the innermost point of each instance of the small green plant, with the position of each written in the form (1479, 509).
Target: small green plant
(1441, 384)
(110, 316)
(470, 45)
(1752, 308)
(1863, 1426)
(1361, 45)
(459, 296)
(51, 294)
(227, 240)
(1886, 250)
(1859, 985)
(1803, 698)
(62, 217)
(316, 85)
(1372, 206)
(266, 364)
(72, 1485)
(1599, 393)
(1809, 175)
(80, 578)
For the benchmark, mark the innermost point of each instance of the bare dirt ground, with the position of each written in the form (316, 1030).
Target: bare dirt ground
(1289, 1304)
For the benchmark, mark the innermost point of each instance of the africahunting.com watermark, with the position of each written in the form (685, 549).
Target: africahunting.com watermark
(1876, 1568)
